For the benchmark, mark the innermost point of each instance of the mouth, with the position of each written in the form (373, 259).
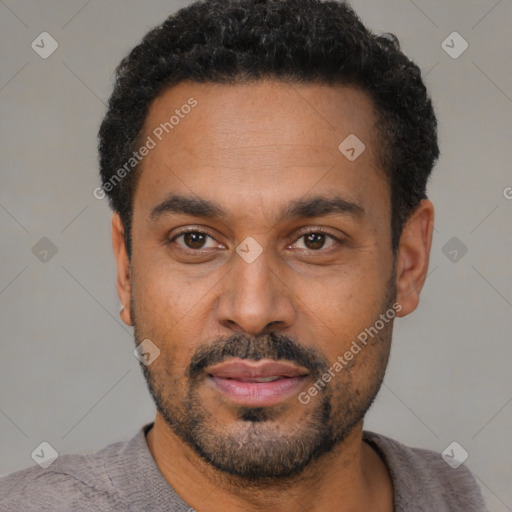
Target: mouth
(256, 383)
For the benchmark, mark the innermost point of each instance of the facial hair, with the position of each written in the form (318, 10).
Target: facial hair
(258, 446)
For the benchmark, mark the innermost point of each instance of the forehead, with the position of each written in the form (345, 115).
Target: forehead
(221, 140)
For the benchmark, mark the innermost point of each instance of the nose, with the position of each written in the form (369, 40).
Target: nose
(255, 299)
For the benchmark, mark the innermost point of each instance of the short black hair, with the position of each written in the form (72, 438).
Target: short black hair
(298, 41)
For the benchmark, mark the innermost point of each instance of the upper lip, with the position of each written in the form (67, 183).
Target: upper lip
(243, 369)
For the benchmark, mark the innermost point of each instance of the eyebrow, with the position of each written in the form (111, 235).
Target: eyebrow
(312, 207)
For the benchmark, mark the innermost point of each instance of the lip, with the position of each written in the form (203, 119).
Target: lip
(236, 380)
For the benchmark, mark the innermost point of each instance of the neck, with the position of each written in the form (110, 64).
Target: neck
(351, 477)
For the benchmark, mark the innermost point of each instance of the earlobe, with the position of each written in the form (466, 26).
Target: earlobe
(123, 268)
(413, 256)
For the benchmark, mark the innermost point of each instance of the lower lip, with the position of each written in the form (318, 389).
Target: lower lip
(258, 394)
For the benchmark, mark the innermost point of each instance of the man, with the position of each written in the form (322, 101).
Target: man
(266, 161)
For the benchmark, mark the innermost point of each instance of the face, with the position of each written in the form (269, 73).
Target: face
(261, 253)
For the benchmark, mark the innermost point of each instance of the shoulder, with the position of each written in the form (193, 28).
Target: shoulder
(72, 482)
(423, 481)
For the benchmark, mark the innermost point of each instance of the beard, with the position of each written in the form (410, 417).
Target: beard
(261, 444)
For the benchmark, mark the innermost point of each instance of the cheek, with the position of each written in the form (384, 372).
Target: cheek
(164, 292)
(353, 292)
(170, 309)
(343, 305)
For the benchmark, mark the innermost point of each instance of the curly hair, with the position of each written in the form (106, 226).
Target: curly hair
(299, 41)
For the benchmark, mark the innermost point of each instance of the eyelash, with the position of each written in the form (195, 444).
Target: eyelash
(303, 234)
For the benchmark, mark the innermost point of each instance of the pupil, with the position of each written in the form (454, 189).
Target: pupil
(194, 240)
(315, 240)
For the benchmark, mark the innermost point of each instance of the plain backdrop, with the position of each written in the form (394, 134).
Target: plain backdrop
(67, 371)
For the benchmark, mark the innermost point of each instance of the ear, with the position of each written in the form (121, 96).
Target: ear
(123, 268)
(413, 256)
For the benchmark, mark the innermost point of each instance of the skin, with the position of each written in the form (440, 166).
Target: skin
(252, 148)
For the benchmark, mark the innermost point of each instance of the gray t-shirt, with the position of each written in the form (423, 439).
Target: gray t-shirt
(124, 477)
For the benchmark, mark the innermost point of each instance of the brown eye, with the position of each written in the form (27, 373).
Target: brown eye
(194, 239)
(317, 241)
(314, 241)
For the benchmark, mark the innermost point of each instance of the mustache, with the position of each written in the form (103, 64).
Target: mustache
(268, 346)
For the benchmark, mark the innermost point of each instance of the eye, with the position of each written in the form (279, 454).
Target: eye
(194, 240)
(316, 240)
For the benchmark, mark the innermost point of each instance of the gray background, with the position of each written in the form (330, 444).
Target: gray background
(68, 375)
